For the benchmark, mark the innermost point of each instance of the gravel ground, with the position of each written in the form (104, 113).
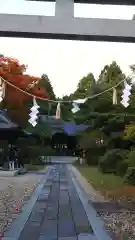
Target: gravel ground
(122, 223)
(14, 192)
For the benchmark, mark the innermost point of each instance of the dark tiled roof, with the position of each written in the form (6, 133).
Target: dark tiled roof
(59, 125)
(71, 128)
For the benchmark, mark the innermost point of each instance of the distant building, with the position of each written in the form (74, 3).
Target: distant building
(59, 125)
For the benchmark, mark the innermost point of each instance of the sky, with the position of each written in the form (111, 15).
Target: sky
(66, 62)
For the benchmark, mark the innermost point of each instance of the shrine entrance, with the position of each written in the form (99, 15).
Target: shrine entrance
(63, 144)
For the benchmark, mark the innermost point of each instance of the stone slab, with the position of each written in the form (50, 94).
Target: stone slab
(51, 213)
(66, 228)
(36, 217)
(65, 212)
(46, 190)
(84, 236)
(45, 237)
(33, 224)
(42, 199)
(67, 238)
(8, 238)
(63, 188)
(30, 232)
(39, 206)
(49, 228)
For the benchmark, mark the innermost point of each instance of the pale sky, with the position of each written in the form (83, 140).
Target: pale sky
(65, 62)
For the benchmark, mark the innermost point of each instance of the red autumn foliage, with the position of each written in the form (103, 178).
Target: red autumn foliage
(15, 73)
(12, 71)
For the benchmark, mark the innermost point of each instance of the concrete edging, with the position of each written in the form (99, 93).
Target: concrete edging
(90, 191)
(95, 221)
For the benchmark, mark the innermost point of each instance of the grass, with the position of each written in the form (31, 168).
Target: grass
(111, 186)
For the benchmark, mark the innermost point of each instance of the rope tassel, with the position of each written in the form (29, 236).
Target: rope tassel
(75, 108)
(2, 90)
(115, 96)
(58, 113)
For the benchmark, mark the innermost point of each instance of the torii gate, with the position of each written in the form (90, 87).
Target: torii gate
(65, 26)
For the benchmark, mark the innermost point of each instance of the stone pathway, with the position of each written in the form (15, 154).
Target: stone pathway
(58, 212)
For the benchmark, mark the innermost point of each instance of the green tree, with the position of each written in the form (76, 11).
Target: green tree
(99, 113)
(111, 74)
(66, 107)
(46, 107)
(85, 87)
(45, 82)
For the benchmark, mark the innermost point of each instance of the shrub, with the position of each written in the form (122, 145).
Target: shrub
(32, 154)
(93, 155)
(92, 159)
(37, 161)
(131, 158)
(108, 163)
(121, 168)
(49, 151)
(30, 167)
(34, 151)
(130, 176)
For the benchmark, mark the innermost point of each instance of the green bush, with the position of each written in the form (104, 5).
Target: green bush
(36, 161)
(32, 154)
(30, 167)
(108, 163)
(38, 151)
(130, 176)
(131, 158)
(92, 159)
(48, 151)
(34, 151)
(121, 168)
(93, 155)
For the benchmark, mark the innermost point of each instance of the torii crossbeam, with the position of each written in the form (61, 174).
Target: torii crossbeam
(65, 26)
